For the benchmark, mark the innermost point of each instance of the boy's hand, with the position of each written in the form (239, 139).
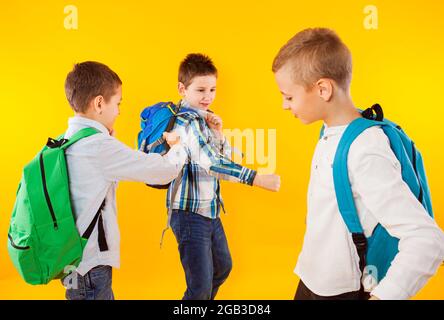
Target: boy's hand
(171, 138)
(271, 182)
(215, 124)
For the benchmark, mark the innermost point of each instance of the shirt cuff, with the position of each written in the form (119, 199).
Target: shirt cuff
(177, 155)
(388, 290)
(248, 176)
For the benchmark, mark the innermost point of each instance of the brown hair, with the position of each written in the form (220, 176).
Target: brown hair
(195, 64)
(88, 80)
(316, 53)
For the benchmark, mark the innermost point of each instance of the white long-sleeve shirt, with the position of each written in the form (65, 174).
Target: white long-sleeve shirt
(328, 263)
(95, 165)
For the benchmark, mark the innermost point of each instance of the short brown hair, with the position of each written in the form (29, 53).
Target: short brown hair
(88, 80)
(194, 65)
(316, 53)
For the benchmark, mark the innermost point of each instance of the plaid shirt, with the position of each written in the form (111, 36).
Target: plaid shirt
(209, 160)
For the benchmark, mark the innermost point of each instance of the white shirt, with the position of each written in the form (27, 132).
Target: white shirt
(328, 263)
(95, 165)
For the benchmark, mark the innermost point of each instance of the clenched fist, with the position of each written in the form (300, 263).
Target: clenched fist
(214, 122)
(171, 138)
(271, 182)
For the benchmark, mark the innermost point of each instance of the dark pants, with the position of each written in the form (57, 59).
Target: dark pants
(204, 253)
(303, 293)
(95, 285)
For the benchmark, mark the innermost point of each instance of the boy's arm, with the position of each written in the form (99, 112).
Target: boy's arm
(376, 179)
(119, 163)
(215, 124)
(209, 157)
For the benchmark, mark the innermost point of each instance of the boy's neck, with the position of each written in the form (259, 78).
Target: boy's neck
(341, 112)
(86, 116)
(90, 117)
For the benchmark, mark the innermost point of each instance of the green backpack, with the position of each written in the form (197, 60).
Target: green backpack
(44, 242)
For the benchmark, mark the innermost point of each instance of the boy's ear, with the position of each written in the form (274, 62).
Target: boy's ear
(324, 88)
(98, 104)
(181, 88)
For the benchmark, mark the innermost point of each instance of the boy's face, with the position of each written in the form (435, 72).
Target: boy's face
(200, 93)
(308, 106)
(109, 110)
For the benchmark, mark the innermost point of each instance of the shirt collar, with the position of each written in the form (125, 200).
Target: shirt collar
(334, 130)
(82, 122)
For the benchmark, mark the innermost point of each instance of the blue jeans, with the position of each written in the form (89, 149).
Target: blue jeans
(95, 285)
(204, 253)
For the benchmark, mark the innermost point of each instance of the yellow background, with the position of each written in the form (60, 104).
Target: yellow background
(399, 65)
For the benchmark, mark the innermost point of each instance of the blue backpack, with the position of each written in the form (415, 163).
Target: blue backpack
(155, 120)
(378, 251)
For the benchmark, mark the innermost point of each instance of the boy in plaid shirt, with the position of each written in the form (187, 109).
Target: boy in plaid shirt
(195, 209)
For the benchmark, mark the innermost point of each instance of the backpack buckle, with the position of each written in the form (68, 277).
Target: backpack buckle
(53, 143)
(360, 242)
(375, 112)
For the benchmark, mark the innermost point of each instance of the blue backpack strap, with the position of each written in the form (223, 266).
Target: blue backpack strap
(343, 190)
(344, 194)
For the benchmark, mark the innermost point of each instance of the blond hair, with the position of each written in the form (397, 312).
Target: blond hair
(316, 53)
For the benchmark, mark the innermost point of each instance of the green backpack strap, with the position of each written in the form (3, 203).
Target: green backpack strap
(83, 133)
(98, 220)
(62, 143)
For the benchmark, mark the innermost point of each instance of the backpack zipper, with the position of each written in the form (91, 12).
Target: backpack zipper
(45, 190)
(16, 246)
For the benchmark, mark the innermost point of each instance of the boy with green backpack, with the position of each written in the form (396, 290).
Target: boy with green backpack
(370, 232)
(64, 223)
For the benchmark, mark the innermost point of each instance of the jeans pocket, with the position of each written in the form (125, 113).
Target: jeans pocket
(180, 223)
(175, 225)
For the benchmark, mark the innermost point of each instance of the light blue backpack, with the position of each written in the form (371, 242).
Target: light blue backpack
(378, 251)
